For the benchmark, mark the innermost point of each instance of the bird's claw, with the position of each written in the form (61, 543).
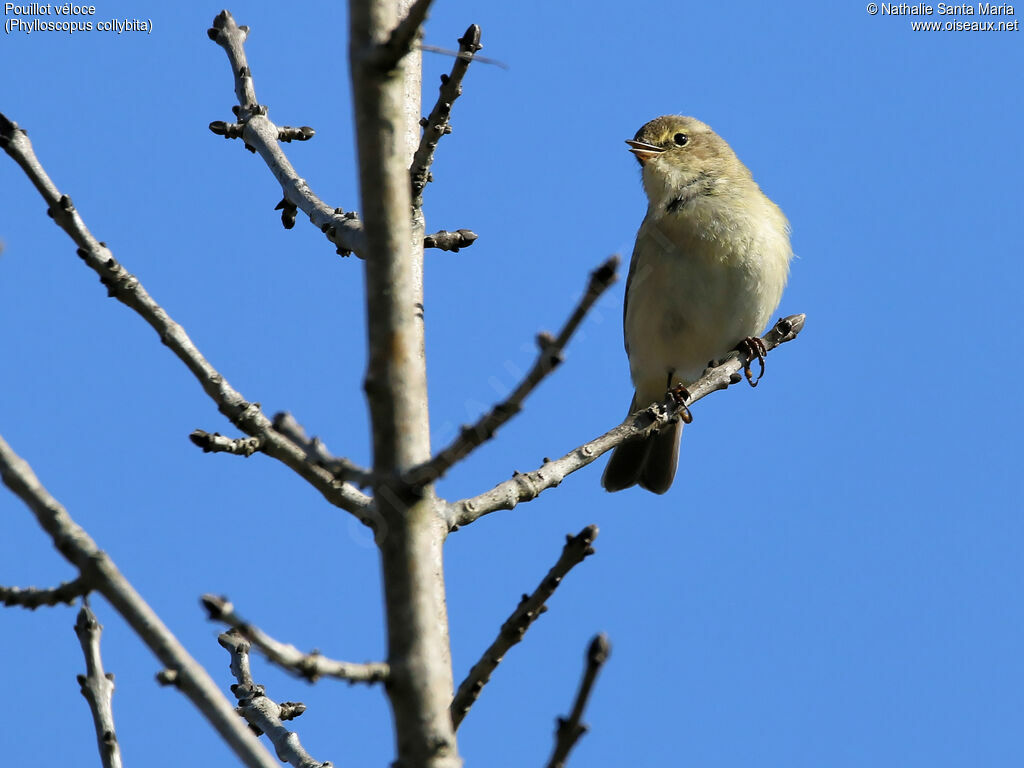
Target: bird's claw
(754, 349)
(680, 395)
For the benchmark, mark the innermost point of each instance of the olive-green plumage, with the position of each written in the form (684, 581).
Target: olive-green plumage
(710, 262)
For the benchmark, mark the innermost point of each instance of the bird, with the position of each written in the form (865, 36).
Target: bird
(708, 269)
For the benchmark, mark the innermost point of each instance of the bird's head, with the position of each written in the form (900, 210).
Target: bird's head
(682, 158)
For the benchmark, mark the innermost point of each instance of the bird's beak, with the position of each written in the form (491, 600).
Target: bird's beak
(643, 150)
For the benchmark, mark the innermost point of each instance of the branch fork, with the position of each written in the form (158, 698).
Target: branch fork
(311, 666)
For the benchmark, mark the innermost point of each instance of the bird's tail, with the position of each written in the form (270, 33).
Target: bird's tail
(650, 462)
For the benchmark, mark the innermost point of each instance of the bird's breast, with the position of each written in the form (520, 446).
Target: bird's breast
(700, 282)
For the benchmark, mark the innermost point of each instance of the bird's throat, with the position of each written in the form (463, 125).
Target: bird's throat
(691, 190)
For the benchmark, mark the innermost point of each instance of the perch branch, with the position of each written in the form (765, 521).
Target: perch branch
(263, 714)
(526, 487)
(571, 729)
(436, 125)
(549, 356)
(96, 568)
(33, 597)
(512, 631)
(97, 687)
(311, 666)
(127, 289)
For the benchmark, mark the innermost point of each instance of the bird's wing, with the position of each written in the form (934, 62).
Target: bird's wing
(629, 280)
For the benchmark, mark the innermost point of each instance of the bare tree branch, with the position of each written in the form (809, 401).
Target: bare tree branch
(343, 469)
(449, 52)
(288, 134)
(527, 486)
(450, 241)
(386, 108)
(127, 289)
(263, 713)
(512, 631)
(33, 597)
(402, 38)
(436, 125)
(550, 355)
(311, 666)
(218, 443)
(102, 574)
(571, 729)
(262, 136)
(97, 687)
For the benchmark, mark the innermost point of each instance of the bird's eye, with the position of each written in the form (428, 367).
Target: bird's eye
(681, 139)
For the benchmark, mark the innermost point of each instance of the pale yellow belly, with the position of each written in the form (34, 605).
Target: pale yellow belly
(691, 301)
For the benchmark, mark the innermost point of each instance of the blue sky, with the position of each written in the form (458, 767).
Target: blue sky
(833, 580)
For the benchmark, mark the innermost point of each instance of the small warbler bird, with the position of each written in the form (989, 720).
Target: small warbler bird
(710, 262)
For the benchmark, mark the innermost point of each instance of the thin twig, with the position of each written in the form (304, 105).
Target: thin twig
(512, 631)
(96, 568)
(311, 666)
(262, 136)
(218, 443)
(127, 289)
(403, 36)
(263, 714)
(341, 468)
(97, 687)
(33, 597)
(450, 241)
(436, 125)
(572, 728)
(450, 52)
(549, 356)
(527, 486)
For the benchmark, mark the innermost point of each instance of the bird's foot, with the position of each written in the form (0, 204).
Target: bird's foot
(754, 349)
(680, 395)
